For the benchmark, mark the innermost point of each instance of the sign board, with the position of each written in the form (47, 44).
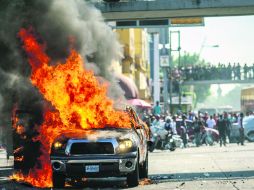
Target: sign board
(164, 61)
(187, 21)
(155, 23)
(184, 100)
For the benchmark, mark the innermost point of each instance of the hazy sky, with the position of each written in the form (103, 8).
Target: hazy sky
(234, 35)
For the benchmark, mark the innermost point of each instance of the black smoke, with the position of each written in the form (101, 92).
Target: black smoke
(60, 24)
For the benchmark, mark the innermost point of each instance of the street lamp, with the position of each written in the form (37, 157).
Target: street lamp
(207, 46)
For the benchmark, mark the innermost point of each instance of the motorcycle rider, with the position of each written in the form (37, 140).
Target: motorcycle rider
(156, 126)
(169, 141)
(157, 121)
(167, 125)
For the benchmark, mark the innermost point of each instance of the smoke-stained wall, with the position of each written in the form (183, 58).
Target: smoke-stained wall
(61, 24)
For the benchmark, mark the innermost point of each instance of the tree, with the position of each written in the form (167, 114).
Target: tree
(201, 91)
(189, 60)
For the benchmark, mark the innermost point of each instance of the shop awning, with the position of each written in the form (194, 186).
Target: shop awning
(128, 86)
(139, 103)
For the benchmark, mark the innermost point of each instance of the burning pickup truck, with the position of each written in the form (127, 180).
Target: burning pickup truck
(80, 133)
(106, 152)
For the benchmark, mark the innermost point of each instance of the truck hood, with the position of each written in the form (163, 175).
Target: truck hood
(95, 134)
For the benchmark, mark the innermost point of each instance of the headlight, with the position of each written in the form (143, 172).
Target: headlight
(58, 145)
(125, 145)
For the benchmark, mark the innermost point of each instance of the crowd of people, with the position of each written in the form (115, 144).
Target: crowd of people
(212, 72)
(197, 125)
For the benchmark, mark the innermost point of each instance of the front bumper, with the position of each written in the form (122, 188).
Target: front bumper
(109, 165)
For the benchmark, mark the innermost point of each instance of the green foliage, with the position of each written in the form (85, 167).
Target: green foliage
(201, 91)
(189, 59)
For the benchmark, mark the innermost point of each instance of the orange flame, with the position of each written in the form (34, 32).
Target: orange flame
(18, 150)
(19, 159)
(20, 129)
(79, 102)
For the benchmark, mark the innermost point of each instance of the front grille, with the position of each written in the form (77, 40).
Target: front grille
(92, 148)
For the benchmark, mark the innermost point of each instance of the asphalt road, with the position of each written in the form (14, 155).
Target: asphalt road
(202, 168)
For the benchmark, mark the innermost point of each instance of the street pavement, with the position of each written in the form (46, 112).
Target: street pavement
(193, 168)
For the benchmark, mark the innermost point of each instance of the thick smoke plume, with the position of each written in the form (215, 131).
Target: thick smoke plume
(61, 24)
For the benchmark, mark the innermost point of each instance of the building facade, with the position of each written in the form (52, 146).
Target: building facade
(135, 64)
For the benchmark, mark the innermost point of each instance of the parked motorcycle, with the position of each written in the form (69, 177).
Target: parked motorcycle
(163, 139)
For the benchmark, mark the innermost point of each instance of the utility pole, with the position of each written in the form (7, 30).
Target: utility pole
(177, 49)
(165, 82)
(170, 87)
(164, 63)
(156, 80)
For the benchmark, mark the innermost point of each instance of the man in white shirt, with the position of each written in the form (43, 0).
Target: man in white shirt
(173, 125)
(210, 122)
(241, 129)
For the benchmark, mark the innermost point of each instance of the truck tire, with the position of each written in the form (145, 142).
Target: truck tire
(144, 169)
(133, 177)
(58, 180)
(151, 148)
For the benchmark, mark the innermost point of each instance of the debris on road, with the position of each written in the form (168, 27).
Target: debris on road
(145, 181)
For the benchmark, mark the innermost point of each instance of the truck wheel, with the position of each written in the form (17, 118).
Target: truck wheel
(58, 180)
(133, 177)
(151, 148)
(144, 169)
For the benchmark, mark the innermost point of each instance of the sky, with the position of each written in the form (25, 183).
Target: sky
(234, 36)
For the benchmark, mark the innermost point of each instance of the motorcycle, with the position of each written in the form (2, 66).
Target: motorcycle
(163, 139)
(170, 145)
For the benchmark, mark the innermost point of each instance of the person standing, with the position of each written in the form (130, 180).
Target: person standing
(197, 131)
(222, 130)
(241, 129)
(252, 71)
(190, 116)
(228, 126)
(183, 131)
(238, 71)
(229, 72)
(245, 71)
(210, 122)
(157, 122)
(173, 125)
(157, 109)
